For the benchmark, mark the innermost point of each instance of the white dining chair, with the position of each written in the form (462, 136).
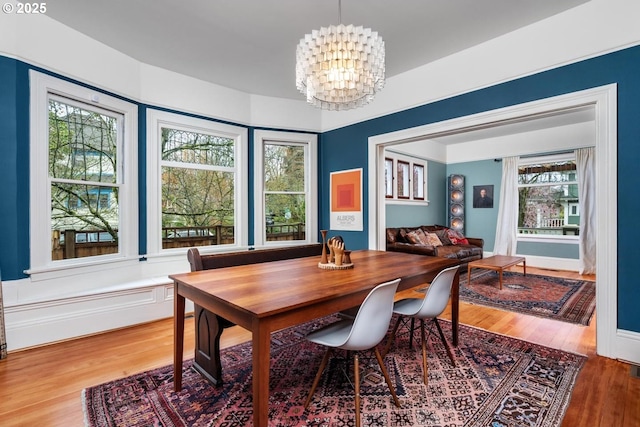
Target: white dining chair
(427, 308)
(363, 332)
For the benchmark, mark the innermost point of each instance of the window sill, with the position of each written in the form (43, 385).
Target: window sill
(66, 270)
(407, 202)
(570, 240)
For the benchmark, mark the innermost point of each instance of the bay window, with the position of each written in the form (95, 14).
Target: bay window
(83, 186)
(196, 182)
(286, 188)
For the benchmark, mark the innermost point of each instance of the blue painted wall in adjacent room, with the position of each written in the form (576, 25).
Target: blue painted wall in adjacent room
(399, 215)
(480, 222)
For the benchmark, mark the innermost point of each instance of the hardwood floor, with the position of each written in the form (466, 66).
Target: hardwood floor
(42, 386)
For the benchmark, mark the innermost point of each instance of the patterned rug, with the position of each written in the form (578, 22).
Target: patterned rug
(497, 381)
(572, 301)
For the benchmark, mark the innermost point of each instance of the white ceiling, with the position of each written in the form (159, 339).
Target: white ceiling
(249, 45)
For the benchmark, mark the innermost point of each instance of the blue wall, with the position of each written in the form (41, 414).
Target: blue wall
(346, 148)
(409, 215)
(14, 168)
(622, 67)
(480, 222)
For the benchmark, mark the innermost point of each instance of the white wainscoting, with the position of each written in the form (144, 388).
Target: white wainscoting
(550, 263)
(38, 323)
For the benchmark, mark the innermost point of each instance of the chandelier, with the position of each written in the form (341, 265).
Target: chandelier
(340, 67)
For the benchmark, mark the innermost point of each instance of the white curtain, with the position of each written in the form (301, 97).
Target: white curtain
(586, 167)
(507, 227)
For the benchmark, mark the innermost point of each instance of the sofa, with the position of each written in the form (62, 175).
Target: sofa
(435, 240)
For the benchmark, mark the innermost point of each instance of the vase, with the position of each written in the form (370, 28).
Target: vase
(324, 260)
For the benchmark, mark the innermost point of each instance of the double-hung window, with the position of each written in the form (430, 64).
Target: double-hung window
(83, 186)
(197, 188)
(286, 188)
(548, 196)
(405, 178)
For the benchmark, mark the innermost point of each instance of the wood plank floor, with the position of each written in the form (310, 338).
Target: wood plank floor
(42, 386)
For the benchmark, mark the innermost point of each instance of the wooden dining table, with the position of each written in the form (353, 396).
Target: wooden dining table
(270, 296)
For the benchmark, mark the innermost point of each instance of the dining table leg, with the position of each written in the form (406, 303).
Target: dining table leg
(261, 364)
(178, 338)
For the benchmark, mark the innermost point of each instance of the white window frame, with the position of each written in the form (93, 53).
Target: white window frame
(42, 266)
(156, 120)
(542, 238)
(310, 142)
(411, 161)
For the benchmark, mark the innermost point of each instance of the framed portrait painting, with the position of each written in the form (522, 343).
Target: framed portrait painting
(483, 196)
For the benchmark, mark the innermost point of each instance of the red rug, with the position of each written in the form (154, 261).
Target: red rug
(572, 301)
(498, 381)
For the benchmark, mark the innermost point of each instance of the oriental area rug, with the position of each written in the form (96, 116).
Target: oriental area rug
(497, 381)
(568, 300)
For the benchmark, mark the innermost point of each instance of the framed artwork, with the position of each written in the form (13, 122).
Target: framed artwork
(346, 200)
(483, 196)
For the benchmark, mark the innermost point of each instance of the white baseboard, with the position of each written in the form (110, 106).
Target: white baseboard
(30, 325)
(627, 345)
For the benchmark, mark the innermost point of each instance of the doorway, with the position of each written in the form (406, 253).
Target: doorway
(603, 101)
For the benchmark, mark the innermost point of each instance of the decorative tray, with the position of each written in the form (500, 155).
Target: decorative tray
(333, 266)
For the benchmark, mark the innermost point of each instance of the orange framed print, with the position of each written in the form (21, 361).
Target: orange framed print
(346, 200)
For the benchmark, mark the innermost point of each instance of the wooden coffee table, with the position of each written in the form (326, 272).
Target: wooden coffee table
(496, 263)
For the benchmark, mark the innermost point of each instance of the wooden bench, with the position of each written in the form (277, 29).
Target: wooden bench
(209, 326)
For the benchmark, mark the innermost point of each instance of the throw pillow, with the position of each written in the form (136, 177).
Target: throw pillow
(442, 235)
(433, 239)
(422, 236)
(456, 237)
(418, 237)
(413, 237)
(391, 235)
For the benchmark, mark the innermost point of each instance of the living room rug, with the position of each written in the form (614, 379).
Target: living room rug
(497, 381)
(556, 298)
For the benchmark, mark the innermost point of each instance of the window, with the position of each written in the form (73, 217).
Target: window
(405, 178)
(548, 196)
(83, 151)
(286, 188)
(197, 179)
(418, 181)
(388, 178)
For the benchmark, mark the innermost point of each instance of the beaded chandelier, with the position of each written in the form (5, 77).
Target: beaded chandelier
(340, 67)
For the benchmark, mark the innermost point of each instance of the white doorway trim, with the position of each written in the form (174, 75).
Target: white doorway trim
(610, 342)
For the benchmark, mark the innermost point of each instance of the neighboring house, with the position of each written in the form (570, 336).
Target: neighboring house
(136, 288)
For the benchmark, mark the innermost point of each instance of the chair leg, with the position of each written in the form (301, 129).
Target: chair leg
(425, 368)
(386, 376)
(444, 341)
(323, 364)
(392, 337)
(356, 379)
(413, 325)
